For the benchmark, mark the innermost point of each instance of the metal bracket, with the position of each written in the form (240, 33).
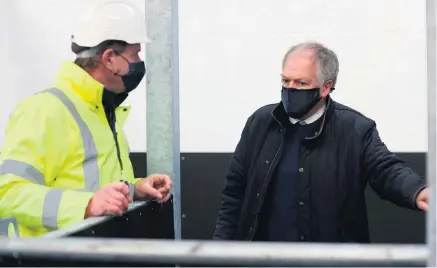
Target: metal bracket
(4, 226)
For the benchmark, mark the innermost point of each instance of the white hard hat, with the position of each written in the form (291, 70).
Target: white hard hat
(110, 20)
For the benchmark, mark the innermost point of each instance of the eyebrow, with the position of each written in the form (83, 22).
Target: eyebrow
(299, 78)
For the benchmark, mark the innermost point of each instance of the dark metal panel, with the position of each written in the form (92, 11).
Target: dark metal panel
(202, 177)
(152, 220)
(391, 224)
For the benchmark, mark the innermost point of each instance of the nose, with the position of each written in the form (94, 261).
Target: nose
(289, 84)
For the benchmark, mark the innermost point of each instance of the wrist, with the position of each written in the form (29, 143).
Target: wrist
(138, 193)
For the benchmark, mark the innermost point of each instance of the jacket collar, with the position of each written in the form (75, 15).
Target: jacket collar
(282, 117)
(89, 89)
(82, 83)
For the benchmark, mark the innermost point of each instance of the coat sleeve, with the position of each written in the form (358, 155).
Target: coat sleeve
(234, 189)
(388, 176)
(33, 152)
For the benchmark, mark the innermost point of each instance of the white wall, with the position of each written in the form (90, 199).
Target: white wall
(230, 60)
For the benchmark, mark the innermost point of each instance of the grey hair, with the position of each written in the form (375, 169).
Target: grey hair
(327, 61)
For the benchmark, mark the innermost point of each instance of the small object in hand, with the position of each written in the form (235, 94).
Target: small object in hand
(131, 191)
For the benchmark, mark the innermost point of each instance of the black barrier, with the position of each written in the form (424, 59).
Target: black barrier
(150, 220)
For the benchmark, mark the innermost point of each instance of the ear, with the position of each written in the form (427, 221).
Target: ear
(107, 58)
(326, 88)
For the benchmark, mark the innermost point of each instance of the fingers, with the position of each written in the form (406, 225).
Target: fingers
(113, 209)
(168, 183)
(118, 198)
(165, 199)
(113, 198)
(121, 187)
(423, 206)
(161, 181)
(154, 193)
(165, 181)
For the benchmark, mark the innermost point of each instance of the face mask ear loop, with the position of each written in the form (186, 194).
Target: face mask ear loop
(128, 62)
(117, 54)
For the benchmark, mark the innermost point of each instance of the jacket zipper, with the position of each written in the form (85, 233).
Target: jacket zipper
(266, 183)
(112, 124)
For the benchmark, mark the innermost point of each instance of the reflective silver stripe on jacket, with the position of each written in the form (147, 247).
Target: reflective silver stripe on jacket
(90, 164)
(21, 169)
(53, 197)
(50, 209)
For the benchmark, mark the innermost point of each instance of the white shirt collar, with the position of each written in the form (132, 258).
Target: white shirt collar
(313, 118)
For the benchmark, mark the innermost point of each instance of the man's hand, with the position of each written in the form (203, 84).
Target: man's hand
(422, 200)
(156, 186)
(113, 198)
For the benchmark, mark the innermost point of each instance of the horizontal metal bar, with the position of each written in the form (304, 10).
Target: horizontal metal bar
(87, 223)
(210, 253)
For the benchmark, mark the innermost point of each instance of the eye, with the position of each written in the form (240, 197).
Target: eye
(285, 81)
(302, 84)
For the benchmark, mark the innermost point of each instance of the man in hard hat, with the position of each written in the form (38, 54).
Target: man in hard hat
(65, 156)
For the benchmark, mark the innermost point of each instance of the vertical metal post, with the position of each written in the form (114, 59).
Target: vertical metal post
(162, 56)
(431, 44)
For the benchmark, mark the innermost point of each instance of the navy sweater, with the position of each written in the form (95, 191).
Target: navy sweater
(279, 212)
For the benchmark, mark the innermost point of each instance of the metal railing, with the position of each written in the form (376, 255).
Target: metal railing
(105, 241)
(88, 226)
(188, 253)
(83, 244)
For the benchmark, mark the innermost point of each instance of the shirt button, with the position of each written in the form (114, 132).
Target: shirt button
(300, 169)
(302, 238)
(257, 195)
(267, 162)
(301, 203)
(250, 229)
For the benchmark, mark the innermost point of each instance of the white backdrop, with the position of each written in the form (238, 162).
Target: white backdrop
(230, 60)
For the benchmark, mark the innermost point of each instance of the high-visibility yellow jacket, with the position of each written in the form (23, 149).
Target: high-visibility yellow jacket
(58, 151)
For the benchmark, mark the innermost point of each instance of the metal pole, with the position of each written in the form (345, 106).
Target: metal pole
(162, 56)
(432, 146)
(209, 254)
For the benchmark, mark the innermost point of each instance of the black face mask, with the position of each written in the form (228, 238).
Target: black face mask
(298, 103)
(136, 73)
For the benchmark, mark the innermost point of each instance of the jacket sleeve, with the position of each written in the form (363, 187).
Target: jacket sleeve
(234, 189)
(388, 176)
(33, 152)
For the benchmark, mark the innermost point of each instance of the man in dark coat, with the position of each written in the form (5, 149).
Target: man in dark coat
(301, 166)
